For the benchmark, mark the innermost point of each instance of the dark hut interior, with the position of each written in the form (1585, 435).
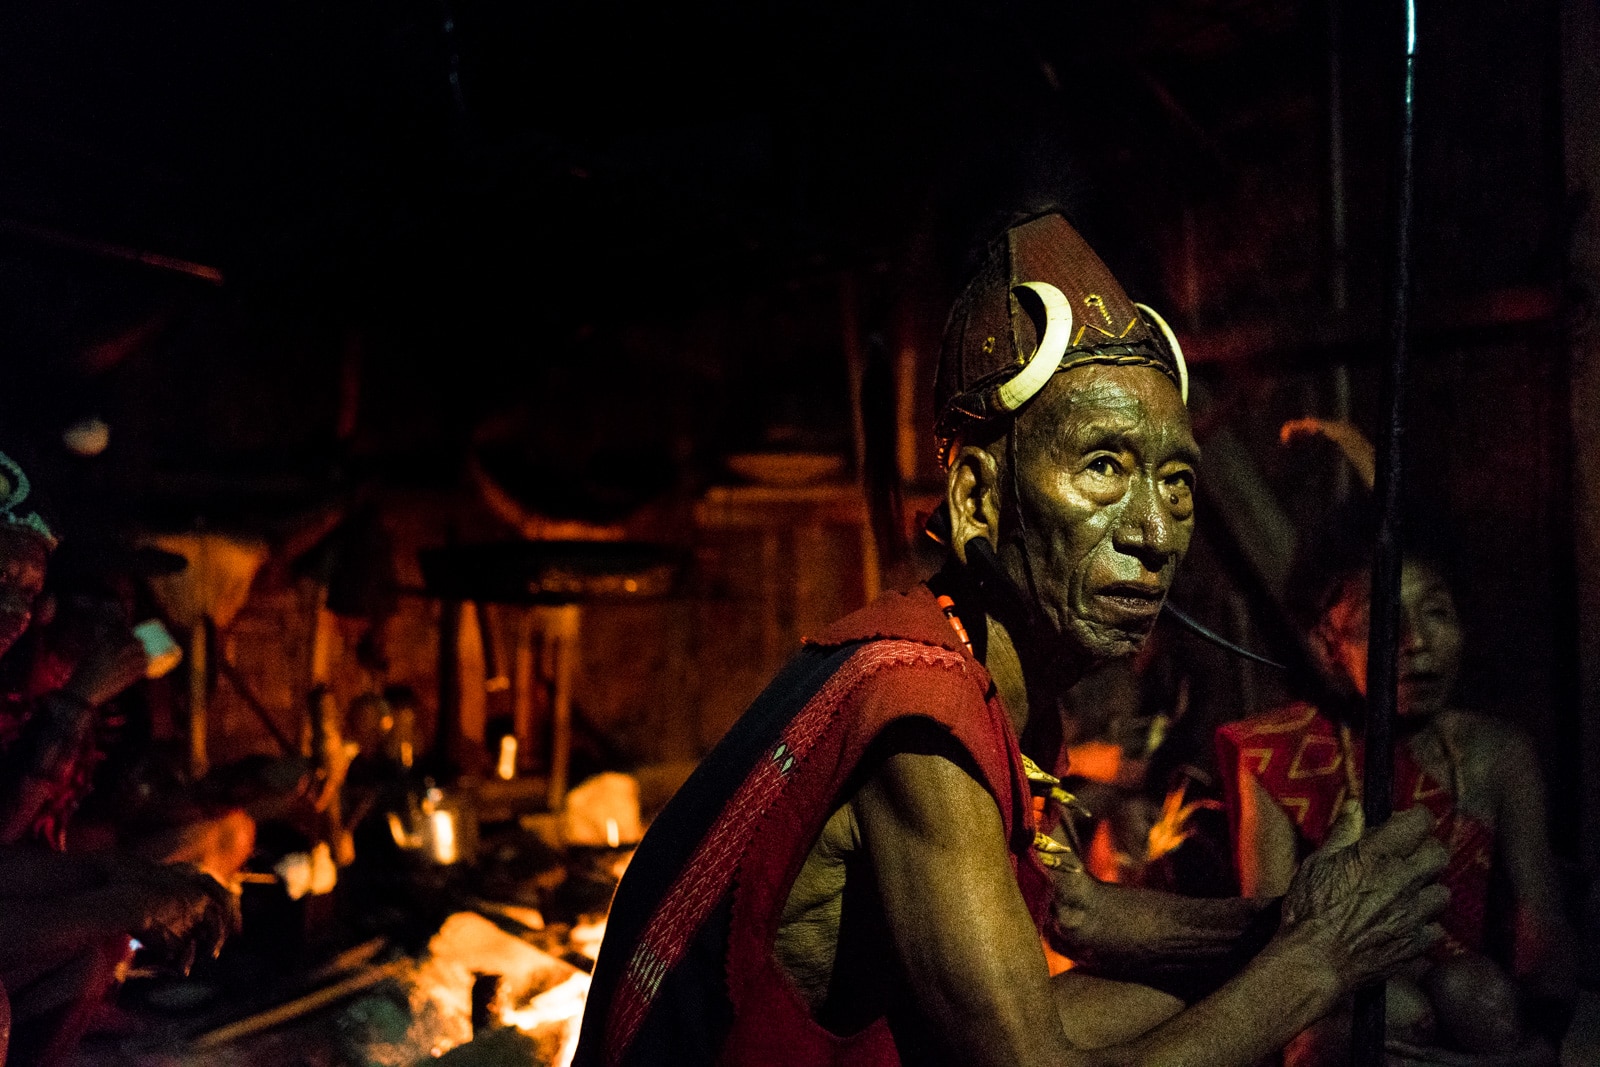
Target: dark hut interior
(486, 398)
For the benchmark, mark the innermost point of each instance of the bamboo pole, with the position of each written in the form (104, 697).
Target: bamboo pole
(1383, 644)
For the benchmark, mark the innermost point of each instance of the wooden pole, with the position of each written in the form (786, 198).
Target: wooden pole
(568, 625)
(1383, 639)
(199, 696)
(522, 680)
(447, 730)
(301, 1006)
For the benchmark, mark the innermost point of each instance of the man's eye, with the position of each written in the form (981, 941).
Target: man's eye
(1105, 466)
(1181, 480)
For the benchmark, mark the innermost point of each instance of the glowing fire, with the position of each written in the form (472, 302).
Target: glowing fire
(467, 946)
(562, 1005)
(586, 937)
(444, 836)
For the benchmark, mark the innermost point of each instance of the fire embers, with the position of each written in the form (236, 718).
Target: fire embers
(478, 996)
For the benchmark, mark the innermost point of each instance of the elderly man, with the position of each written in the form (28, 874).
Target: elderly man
(66, 918)
(860, 873)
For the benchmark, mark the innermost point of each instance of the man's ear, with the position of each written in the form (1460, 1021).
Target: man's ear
(973, 497)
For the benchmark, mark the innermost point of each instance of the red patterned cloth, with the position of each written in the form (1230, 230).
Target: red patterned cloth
(688, 973)
(1296, 755)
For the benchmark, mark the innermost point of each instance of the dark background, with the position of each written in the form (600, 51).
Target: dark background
(623, 230)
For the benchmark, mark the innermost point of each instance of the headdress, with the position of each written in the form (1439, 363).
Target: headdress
(13, 498)
(1042, 302)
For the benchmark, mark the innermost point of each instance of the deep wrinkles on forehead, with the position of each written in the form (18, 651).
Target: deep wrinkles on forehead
(1091, 411)
(1061, 417)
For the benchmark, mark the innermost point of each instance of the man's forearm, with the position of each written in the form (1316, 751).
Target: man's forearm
(1286, 988)
(1143, 935)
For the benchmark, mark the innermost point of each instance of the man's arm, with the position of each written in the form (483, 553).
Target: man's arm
(1186, 945)
(977, 972)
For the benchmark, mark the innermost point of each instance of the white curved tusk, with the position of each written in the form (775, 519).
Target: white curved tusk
(1177, 350)
(1047, 356)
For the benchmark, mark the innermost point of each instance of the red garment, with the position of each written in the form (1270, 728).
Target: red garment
(1294, 752)
(907, 662)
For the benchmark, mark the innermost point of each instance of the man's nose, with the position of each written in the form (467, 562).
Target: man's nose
(1145, 529)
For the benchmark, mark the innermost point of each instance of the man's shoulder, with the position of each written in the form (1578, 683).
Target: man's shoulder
(887, 679)
(904, 659)
(911, 615)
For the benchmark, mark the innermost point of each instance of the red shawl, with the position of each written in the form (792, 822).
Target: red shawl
(688, 972)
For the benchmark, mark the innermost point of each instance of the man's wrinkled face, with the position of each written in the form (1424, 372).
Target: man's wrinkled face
(23, 559)
(1106, 474)
(1430, 637)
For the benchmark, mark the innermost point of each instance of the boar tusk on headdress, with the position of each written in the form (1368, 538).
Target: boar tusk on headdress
(1172, 343)
(1080, 315)
(1047, 356)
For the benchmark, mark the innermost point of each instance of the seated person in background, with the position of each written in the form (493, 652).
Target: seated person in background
(1289, 771)
(112, 798)
(66, 918)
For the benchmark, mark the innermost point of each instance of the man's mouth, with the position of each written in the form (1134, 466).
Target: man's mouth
(1133, 601)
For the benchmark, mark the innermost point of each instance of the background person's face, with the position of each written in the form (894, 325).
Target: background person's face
(1107, 470)
(23, 559)
(1430, 637)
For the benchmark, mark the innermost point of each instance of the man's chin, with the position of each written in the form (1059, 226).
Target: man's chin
(1101, 641)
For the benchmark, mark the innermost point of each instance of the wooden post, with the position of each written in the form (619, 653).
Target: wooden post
(447, 730)
(522, 679)
(199, 685)
(564, 623)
